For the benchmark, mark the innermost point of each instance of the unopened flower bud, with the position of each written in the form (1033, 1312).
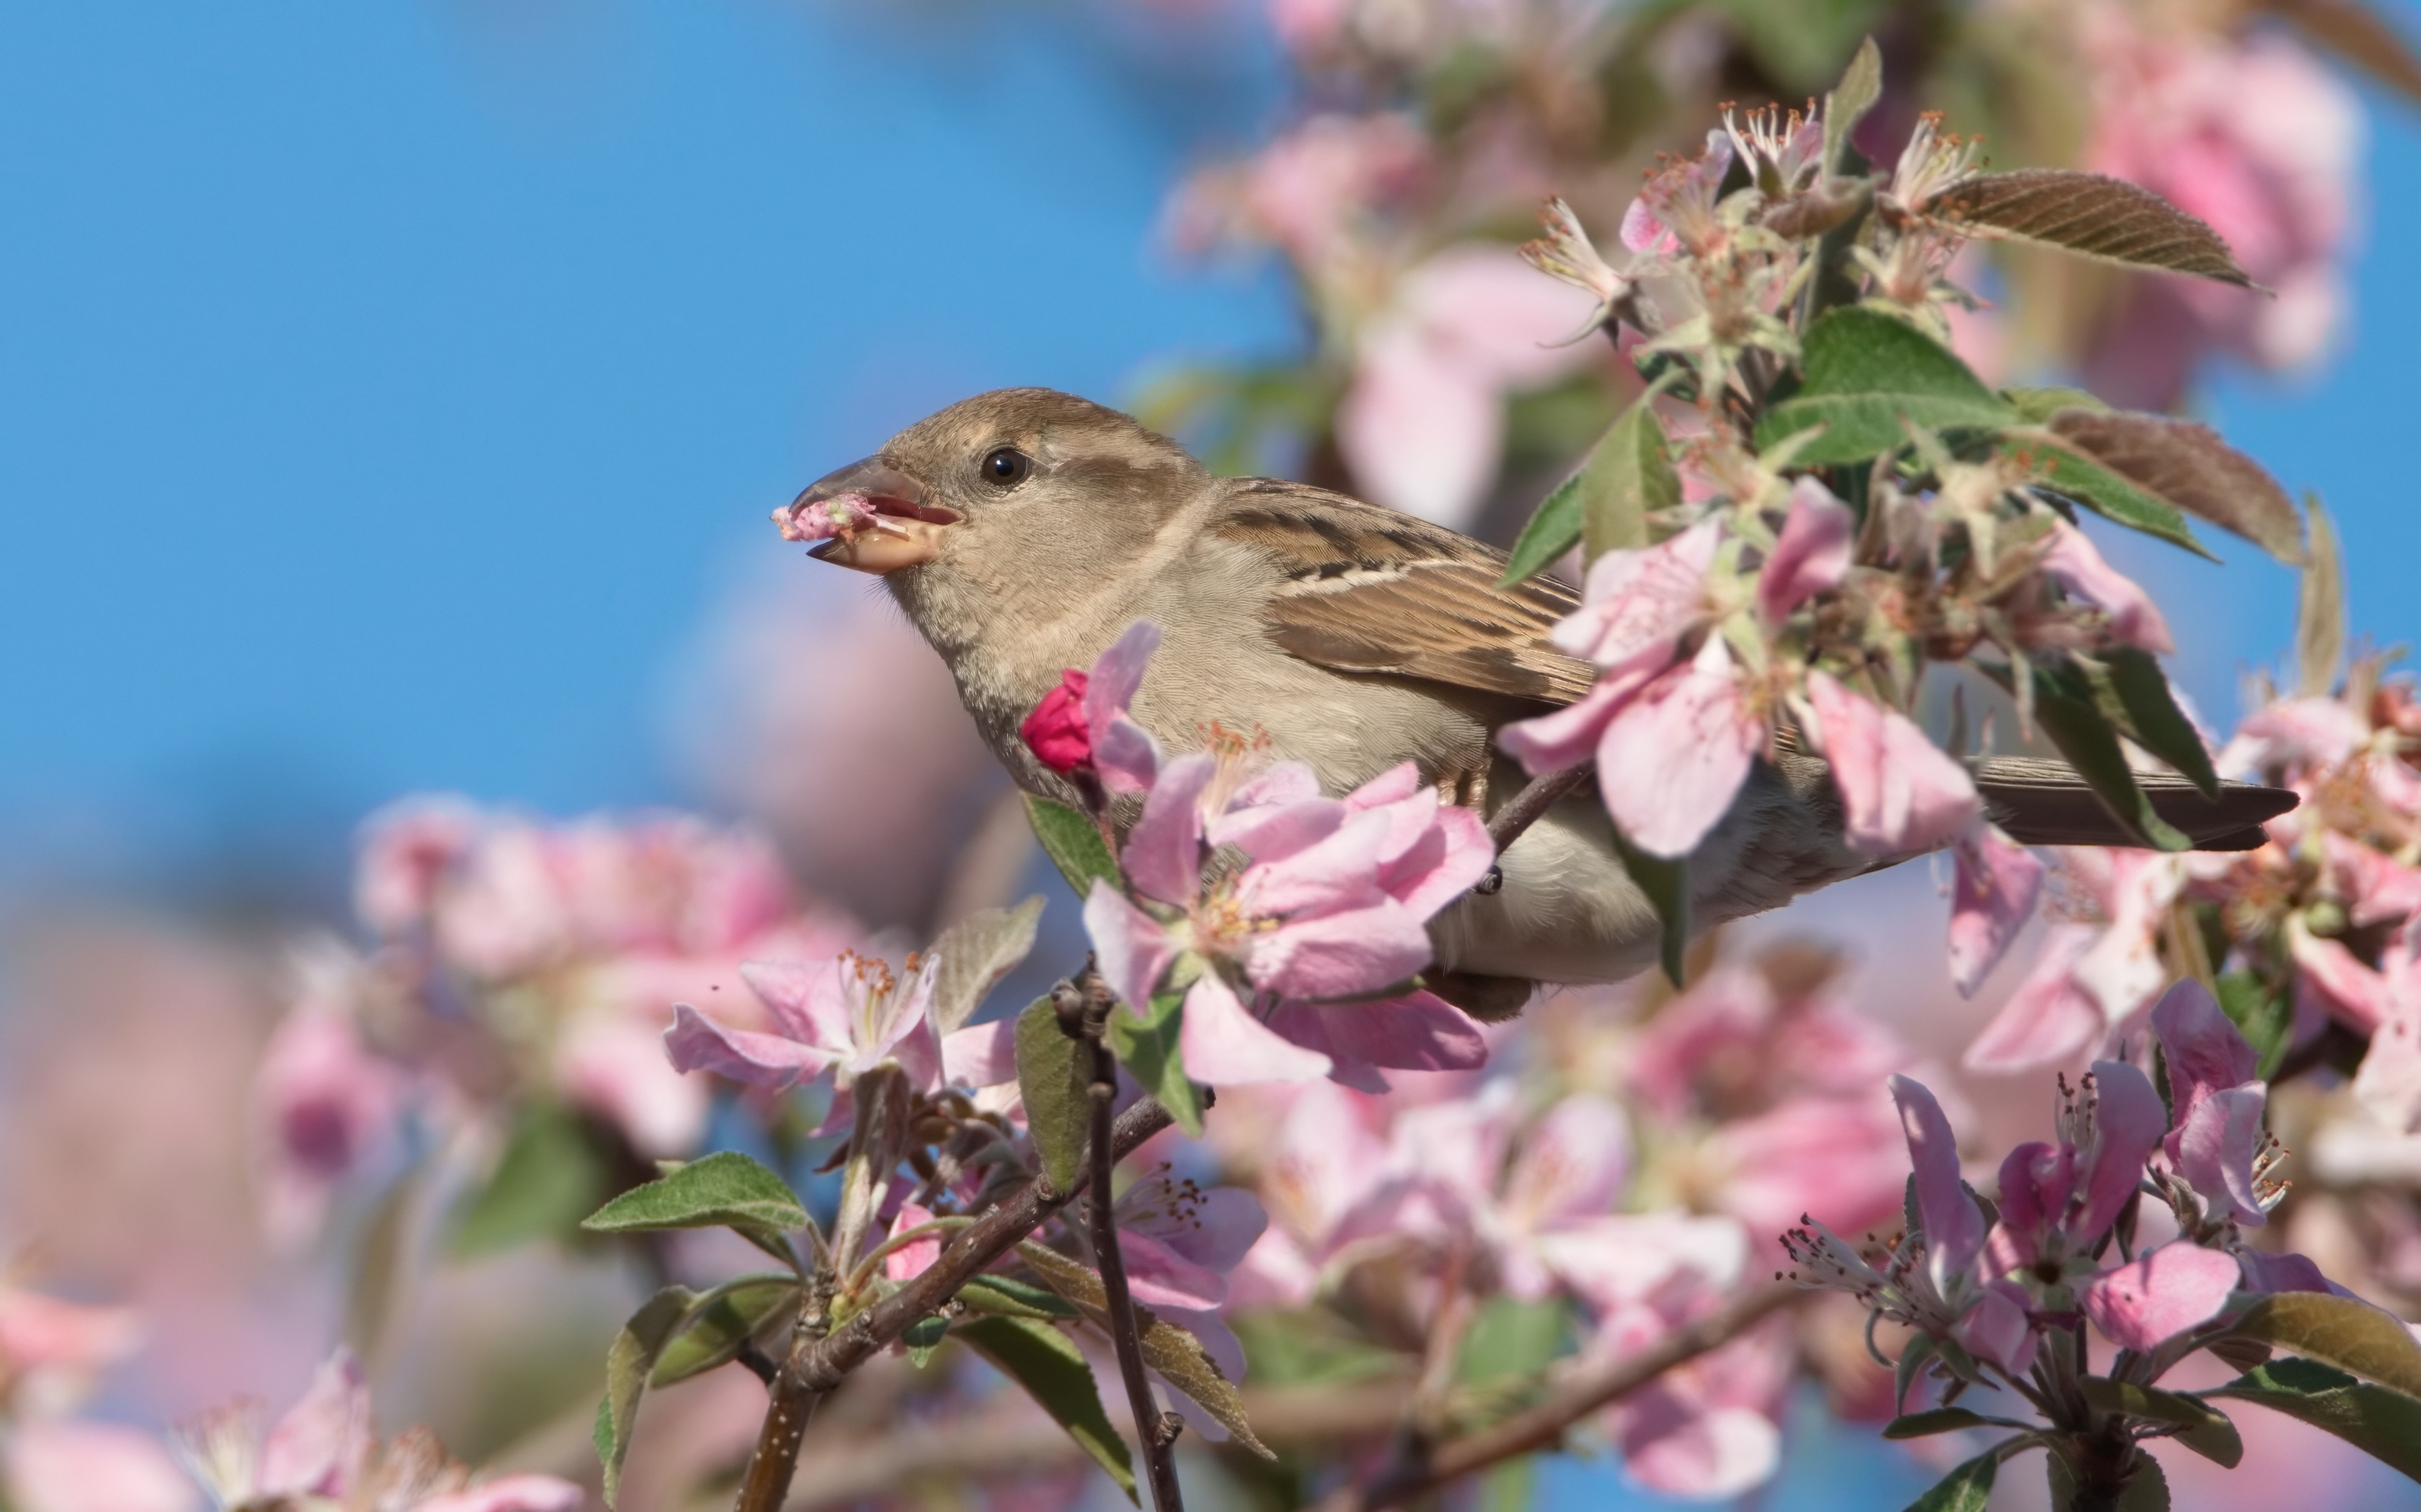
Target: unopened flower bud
(1055, 731)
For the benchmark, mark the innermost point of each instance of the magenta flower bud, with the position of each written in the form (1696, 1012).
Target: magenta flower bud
(1055, 732)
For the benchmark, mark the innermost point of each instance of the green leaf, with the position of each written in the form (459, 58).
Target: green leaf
(1966, 1488)
(725, 1189)
(1074, 843)
(1861, 85)
(2204, 1428)
(2153, 719)
(1940, 1419)
(1047, 1364)
(2383, 1424)
(1868, 377)
(975, 953)
(2147, 1487)
(1513, 1340)
(2036, 405)
(2263, 1017)
(2075, 478)
(1555, 528)
(1627, 477)
(2188, 466)
(1013, 1299)
(923, 1337)
(2064, 708)
(549, 1175)
(2352, 1336)
(627, 1363)
(1053, 1073)
(1171, 1351)
(2090, 214)
(1667, 883)
(721, 1322)
(1309, 1346)
(1148, 1048)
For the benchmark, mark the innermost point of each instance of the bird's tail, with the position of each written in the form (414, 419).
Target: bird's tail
(2046, 802)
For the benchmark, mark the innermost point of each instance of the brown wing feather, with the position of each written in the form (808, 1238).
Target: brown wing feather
(1371, 590)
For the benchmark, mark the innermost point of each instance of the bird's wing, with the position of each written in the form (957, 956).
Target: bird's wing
(1365, 589)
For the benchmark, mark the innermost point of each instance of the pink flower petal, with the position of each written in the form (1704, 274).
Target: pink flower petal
(317, 1449)
(1954, 1225)
(698, 1043)
(805, 1000)
(1123, 752)
(914, 1258)
(1350, 953)
(2128, 1124)
(1899, 791)
(2164, 1292)
(2073, 564)
(1418, 1032)
(2214, 1148)
(1575, 1162)
(1133, 948)
(1811, 555)
(511, 1493)
(2050, 1020)
(1224, 1045)
(1997, 1328)
(2363, 999)
(1421, 425)
(984, 1055)
(1570, 734)
(2389, 1080)
(1673, 759)
(2377, 889)
(1164, 851)
(1161, 1277)
(1338, 872)
(2204, 1050)
(1638, 604)
(1997, 882)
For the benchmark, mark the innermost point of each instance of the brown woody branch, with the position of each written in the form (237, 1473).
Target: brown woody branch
(1543, 1426)
(1536, 796)
(817, 1363)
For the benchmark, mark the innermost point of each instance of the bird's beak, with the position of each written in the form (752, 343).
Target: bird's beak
(907, 530)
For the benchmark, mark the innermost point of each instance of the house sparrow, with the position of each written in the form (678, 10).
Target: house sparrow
(1024, 530)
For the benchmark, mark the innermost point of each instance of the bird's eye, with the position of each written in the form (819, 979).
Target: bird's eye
(1005, 467)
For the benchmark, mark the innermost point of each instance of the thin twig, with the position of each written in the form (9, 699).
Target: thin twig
(1536, 796)
(1151, 1435)
(1544, 1425)
(820, 1364)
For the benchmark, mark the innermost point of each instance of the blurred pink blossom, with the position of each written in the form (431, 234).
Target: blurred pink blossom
(1424, 422)
(2252, 136)
(53, 1465)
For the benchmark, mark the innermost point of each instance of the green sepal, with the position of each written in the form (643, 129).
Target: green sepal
(2148, 711)
(923, 1337)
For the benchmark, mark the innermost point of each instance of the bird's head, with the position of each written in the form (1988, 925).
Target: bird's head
(1004, 467)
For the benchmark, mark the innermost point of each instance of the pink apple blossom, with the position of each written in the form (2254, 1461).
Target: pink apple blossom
(1424, 422)
(1995, 886)
(1673, 757)
(53, 1352)
(2050, 1018)
(1812, 554)
(847, 1015)
(1330, 907)
(323, 1099)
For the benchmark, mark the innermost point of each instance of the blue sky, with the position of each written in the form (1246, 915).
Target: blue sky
(389, 390)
